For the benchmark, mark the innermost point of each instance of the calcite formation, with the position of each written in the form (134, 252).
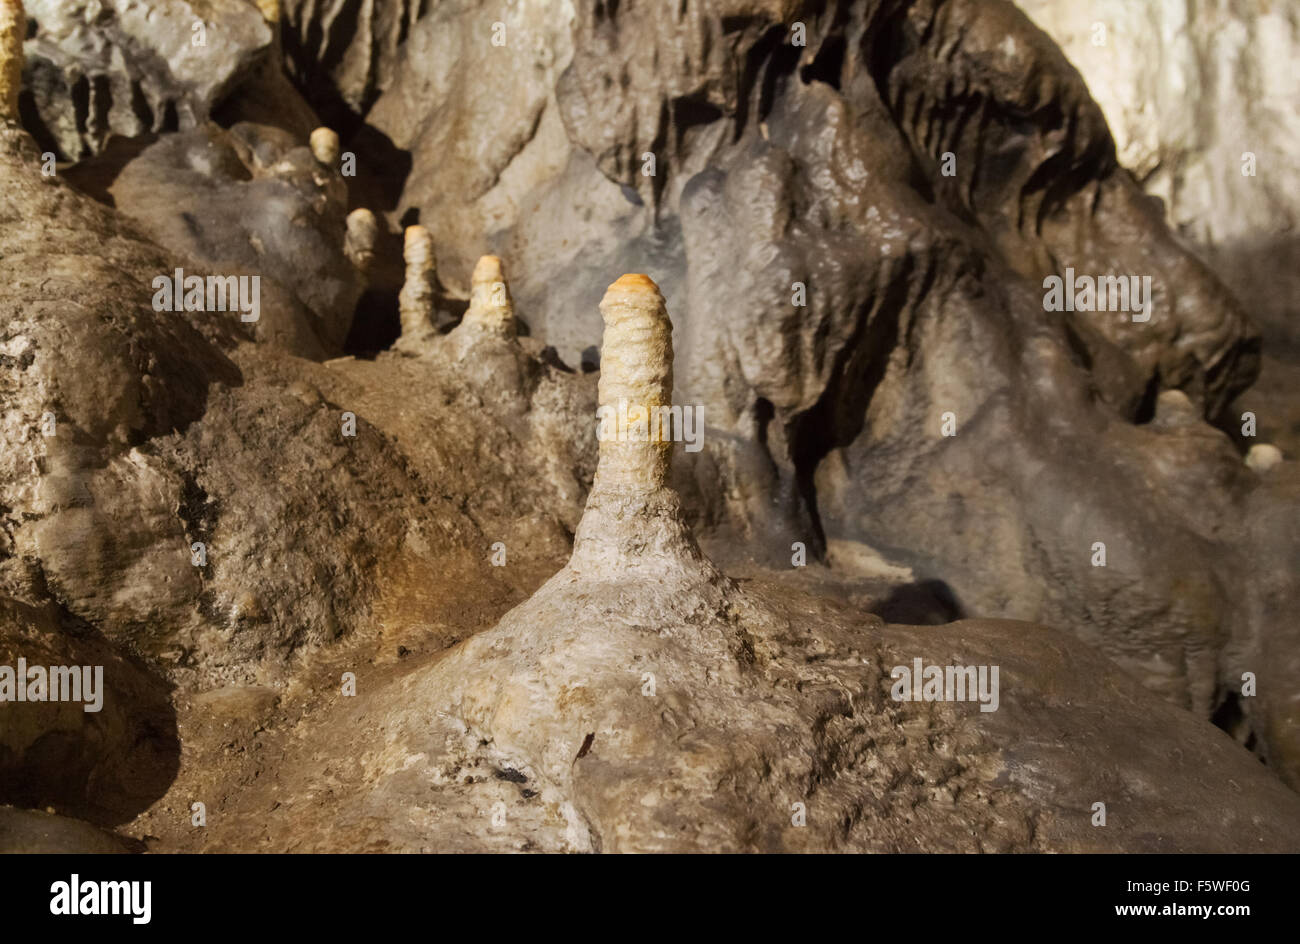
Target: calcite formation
(1263, 457)
(828, 344)
(362, 235)
(325, 146)
(633, 522)
(491, 308)
(1207, 122)
(416, 299)
(13, 29)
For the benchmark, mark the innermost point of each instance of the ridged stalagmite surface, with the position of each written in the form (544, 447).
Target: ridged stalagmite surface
(12, 30)
(416, 299)
(636, 374)
(490, 306)
(633, 519)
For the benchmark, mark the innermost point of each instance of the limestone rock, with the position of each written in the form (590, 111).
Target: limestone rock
(169, 429)
(891, 276)
(1206, 121)
(104, 765)
(391, 600)
(95, 68)
(346, 49)
(252, 201)
(645, 703)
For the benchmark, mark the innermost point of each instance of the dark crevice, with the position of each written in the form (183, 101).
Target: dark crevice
(1146, 408)
(839, 415)
(924, 603)
(375, 325)
(1230, 718)
(828, 66)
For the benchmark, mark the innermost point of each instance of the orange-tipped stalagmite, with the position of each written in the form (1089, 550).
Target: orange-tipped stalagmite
(633, 518)
(13, 29)
(415, 302)
(636, 378)
(491, 308)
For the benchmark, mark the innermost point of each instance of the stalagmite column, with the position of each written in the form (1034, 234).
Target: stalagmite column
(359, 244)
(633, 519)
(490, 305)
(636, 376)
(13, 29)
(416, 299)
(325, 146)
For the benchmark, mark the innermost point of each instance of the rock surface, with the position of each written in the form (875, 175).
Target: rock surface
(96, 67)
(28, 832)
(102, 514)
(387, 601)
(105, 764)
(1204, 115)
(872, 297)
(640, 701)
(253, 200)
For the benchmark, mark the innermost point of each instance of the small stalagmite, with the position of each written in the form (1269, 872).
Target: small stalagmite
(271, 13)
(415, 302)
(325, 146)
(362, 235)
(270, 10)
(1263, 457)
(491, 308)
(633, 520)
(13, 29)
